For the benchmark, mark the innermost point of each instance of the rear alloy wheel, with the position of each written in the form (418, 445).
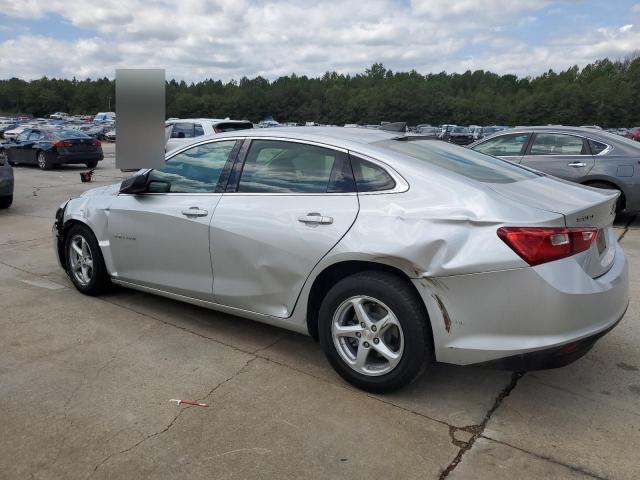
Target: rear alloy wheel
(43, 162)
(373, 330)
(6, 201)
(85, 265)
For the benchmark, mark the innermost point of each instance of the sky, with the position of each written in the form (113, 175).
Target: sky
(228, 39)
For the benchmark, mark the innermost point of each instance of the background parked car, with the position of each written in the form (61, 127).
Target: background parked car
(14, 132)
(427, 131)
(50, 147)
(486, 131)
(178, 132)
(633, 134)
(587, 156)
(6, 181)
(458, 135)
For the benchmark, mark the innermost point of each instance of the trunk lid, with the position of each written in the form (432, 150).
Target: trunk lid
(581, 207)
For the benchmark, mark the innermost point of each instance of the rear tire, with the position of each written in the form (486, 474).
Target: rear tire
(6, 201)
(43, 162)
(84, 262)
(93, 164)
(620, 204)
(395, 336)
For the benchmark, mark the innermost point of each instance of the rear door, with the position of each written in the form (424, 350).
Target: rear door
(287, 204)
(510, 146)
(559, 154)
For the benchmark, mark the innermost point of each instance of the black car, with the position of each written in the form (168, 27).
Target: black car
(458, 135)
(50, 147)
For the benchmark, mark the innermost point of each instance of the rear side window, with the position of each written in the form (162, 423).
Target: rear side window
(462, 161)
(597, 147)
(504, 145)
(198, 130)
(370, 177)
(275, 166)
(558, 144)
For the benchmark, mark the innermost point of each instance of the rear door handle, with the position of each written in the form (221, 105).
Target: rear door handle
(316, 218)
(577, 164)
(194, 212)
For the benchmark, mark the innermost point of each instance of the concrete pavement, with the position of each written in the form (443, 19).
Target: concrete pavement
(85, 384)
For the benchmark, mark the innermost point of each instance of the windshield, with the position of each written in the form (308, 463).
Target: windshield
(462, 161)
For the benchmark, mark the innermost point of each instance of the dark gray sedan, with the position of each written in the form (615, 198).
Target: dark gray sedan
(590, 157)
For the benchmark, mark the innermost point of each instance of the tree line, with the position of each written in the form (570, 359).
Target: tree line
(605, 93)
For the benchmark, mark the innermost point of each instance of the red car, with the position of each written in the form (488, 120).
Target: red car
(633, 134)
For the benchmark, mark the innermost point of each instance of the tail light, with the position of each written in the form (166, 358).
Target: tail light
(536, 245)
(62, 144)
(96, 143)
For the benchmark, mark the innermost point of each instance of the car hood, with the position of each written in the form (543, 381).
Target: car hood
(106, 190)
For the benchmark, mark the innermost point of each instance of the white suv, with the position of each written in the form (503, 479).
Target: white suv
(178, 132)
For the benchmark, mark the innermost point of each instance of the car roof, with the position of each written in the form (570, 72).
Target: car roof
(205, 120)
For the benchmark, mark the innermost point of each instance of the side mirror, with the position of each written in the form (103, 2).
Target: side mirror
(135, 184)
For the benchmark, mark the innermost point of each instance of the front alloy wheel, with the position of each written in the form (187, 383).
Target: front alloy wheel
(43, 163)
(81, 260)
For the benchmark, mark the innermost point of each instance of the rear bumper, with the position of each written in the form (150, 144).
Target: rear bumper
(524, 314)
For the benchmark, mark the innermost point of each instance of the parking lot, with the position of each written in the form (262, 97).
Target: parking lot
(85, 385)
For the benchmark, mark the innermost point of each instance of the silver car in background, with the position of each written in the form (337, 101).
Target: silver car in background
(588, 156)
(392, 251)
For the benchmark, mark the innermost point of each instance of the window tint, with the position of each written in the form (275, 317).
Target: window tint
(198, 130)
(596, 147)
(504, 145)
(370, 177)
(35, 136)
(196, 170)
(286, 167)
(462, 161)
(182, 130)
(557, 144)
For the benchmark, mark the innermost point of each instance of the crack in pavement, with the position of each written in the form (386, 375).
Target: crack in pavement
(626, 227)
(175, 418)
(477, 430)
(547, 459)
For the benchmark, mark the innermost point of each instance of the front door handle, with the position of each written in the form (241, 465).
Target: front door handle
(316, 218)
(577, 164)
(194, 212)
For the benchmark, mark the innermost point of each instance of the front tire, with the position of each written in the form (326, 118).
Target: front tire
(373, 329)
(43, 162)
(6, 201)
(84, 262)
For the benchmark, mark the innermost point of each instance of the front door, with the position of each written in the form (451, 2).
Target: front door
(288, 209)
(510, 146)
(160, 238)
(562, 155)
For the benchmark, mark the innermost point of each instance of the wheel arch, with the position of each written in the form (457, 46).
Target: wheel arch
(62, 237)
(336, 271)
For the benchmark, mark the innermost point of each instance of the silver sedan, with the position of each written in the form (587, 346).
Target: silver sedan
(393, 251)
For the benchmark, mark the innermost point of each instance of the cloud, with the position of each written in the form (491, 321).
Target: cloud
(194, 39)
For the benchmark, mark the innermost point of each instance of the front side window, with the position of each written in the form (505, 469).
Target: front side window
(196, 170)
(274, 166)
(558, 144)
(504, 145)
(23, 136)
(34, 135)
(182, 130)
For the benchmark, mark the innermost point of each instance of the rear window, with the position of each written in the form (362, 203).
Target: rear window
(232, 126)
(469, 163)
(597, 147)
(68, 133)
